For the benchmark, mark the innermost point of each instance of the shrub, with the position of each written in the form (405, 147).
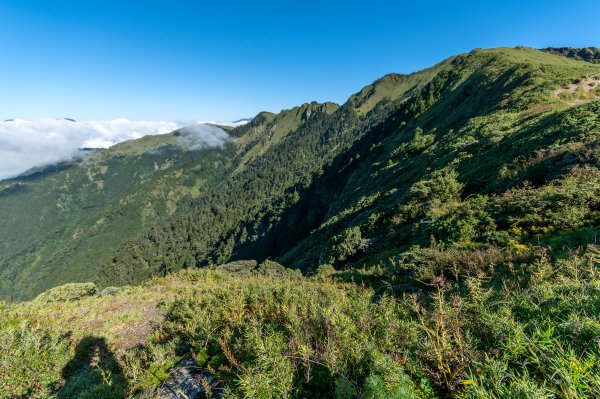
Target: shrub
(425, 265)
(562, 205)
(469, 223)
(271, 268)
(443, 187)
(444, 350)
(345, 244)
(68, 293)
(420, 141)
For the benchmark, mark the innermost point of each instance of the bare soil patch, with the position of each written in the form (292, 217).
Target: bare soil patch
(586, 85)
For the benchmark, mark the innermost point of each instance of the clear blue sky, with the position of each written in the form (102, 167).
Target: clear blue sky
(223, 60)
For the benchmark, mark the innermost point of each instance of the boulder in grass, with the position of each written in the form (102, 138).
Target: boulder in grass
(189, 381)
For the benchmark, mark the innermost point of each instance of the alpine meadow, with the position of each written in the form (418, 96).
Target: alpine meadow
(437, 235)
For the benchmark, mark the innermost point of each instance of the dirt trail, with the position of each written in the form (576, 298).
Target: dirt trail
(587, 85)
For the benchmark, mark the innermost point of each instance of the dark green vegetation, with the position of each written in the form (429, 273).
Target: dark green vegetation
(443, 227)
(436, 159)
(589, 54)
(59, 224)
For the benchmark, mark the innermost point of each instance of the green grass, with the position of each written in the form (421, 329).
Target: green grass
(503, 324)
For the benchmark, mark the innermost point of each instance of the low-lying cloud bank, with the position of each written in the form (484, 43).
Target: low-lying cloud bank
(25, 144)
(199, 137)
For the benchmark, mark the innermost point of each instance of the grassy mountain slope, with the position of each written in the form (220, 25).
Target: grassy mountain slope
(494, 128)
(349, 187)
(446, 223)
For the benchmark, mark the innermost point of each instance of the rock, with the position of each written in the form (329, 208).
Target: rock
(187, 381)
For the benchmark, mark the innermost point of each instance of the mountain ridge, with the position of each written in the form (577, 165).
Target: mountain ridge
(589, 54)
(321, 132)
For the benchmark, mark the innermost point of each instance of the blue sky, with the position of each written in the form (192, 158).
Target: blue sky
(175, 60)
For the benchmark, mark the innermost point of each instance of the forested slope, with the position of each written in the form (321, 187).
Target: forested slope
(435, 161)
(59, 223)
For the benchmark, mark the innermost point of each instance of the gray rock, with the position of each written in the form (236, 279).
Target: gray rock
(187, 381)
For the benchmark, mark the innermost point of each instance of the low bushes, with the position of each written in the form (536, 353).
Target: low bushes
(435, 322)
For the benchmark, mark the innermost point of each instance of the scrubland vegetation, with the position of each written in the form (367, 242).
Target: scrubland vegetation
(436, 323)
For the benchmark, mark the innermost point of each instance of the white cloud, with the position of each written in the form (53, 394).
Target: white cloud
(25, 144)
(198, 137)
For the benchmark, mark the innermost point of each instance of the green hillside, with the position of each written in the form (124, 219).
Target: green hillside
(512, 324)
(290, 185)
(436, 236)
(349, 188)
(59, 223)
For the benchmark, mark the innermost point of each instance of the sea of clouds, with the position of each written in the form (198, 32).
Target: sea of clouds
(25, 144)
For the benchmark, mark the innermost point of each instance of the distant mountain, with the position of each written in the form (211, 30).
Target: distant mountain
(589, 54)
(67, 218)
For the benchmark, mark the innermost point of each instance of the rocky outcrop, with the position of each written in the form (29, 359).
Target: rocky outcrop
(189, 381)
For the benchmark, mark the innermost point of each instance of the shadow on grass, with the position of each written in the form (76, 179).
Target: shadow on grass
(93, 373)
